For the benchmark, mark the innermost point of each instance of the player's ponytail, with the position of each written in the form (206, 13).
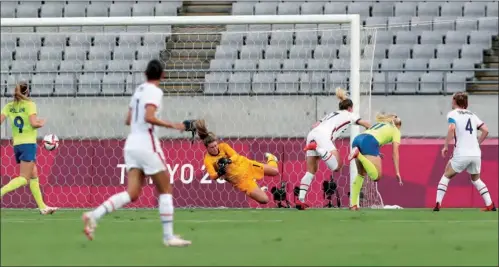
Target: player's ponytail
(203, 133)
(21, 92)
(345, 102)
(388, 118)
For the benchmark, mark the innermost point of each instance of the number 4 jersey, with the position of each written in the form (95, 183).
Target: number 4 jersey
(465, 135)
(18, 113)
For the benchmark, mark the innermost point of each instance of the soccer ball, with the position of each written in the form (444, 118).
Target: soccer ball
(50, 142)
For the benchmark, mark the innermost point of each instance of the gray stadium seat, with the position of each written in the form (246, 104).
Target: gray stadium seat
(399, 51)
(240, 82)
(431, 37)
(265, 8)
(405, 9)
(466, 24)
(263, 82)
(28, 10)
(377, 22)
(298, 51)
(115, 29)
(474, 9)
(406, 37)
(215, 82)
(156, 39)
(454, 8)
(51, 66)
(130, 39)
(75, 9)
(361, 8)
(407, 83)
(243, 8)
(287, 82)
(226, 51)
(20, 29)
(380, 84)
(283, 38)
(429, 9)
(92, 29)
(269, 64)
(421, 23)
(391, 65)
(431, 82)
(140, 65)
(492, 10)
(454, 82)
(113, 83)
(95, 67)
(118, 66)
(221, 65)
(472, 52)
(383, 37)
(137, 29)
(379, 51)
(71, 66)
(245, 64)
(51, 53)
(464, 67)
(163, 29)
(423, 51)
(120, 9)
(65, 84)
(483, 38)
(89, 83)
(444, 24)
(8, 9)
(42, 84)
(251, 52)
(335, 8)
(105, 40)
(26, 53)
(448, 51)
(275, 52)
(288, 8)
(99, 53)
(81, 40)
(8, 41)
(147, 53)
(30, 40)
(166, 9)
(257, 38)
(143, 9)
(51, 10)
(306, 38)
(488, 24)
(419, 64)
(336, 79)
(325, 52)
(312, 8)
(315, 65)
(293, 64)
(399, 23)
(456, 37)
(124, 52)
(438, 65)
(288, 27)
(232, 38)
(75, 53)
(22, 66)
(6, 54)
(311, 83)
(55, 40)
(237, 28)
(344, 52)
(331, 37)
(382, 9)
(98, 9)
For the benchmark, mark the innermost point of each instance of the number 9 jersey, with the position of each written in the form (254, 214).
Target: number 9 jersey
(465, 136)
(18, 113)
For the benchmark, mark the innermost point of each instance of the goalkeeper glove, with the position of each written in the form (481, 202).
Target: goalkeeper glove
(190, 125)
(222, 166)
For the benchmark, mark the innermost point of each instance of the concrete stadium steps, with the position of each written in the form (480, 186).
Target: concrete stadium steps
(487, 81)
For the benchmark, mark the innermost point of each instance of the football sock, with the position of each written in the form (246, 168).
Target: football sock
(13, 185)
(113, 203)
(442, 188)
(357, 187)
(371, 170)
(166, 214)
(328, 158)
(34, 186)
(304, 185)
(483, 190)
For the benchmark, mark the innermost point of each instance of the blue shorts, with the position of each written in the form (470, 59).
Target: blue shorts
(25, 152)
(367, 144)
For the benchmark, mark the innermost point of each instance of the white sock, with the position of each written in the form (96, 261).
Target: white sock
(328, 158)
(483, 190)
(113, 203)
(166, 214)
(304, 185)
(442, 188)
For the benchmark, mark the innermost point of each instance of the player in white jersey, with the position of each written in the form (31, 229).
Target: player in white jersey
(320, 142)
(463, 127)
(144, 157)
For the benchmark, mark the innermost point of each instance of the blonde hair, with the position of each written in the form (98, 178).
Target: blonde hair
(388, 118)
(203, 133)
(20, 92)
(341, 94)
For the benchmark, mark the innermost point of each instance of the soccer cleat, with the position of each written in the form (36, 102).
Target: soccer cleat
(271, 157)
(353, 154)
(437, 207)
(301, 205)
(354, 208)
(48, 210)
(310, 146)
(176, 241)
(490, 207)
(89, 225)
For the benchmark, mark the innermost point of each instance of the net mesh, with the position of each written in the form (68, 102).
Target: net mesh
(259, 87)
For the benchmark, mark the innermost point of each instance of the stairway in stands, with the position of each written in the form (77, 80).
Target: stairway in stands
(192, 47)
(488, 80)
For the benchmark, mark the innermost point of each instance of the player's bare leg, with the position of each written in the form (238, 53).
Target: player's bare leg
(484, 192)
(357, 185)
(25, 173)
(162, 182)
(135, 181)
(34, 186)
(306, 180)
(259, 196)
(372, 164)
(271, 168)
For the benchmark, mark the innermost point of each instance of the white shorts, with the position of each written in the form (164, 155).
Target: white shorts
(148, 161)
(472, 165)
(323, 141)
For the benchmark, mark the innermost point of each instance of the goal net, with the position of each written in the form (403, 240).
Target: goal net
(260, 82)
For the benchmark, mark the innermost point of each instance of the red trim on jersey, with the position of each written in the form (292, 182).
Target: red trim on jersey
(152, 138)
(161, 158)
(339, 127)
(150, 104)
(480, 126)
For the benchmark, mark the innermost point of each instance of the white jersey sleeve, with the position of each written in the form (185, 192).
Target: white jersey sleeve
(465, 136)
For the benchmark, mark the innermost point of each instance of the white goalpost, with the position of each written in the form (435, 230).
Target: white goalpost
(255, 114)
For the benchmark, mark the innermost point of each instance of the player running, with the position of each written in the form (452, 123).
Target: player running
(320, 142)
(221, 161)
(144, 157)
(463, 126)
(365, 149)
(24, 122)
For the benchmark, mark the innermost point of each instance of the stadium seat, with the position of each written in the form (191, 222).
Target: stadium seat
(423, 51)
(306, 38)
(454, 82)
(232, 38)
(165, 9)
(98, 9)
(444, 24)
(51, 10)
(114, 83)
(482, 38)
(120, 9)
(282, 38)
(225, 51)
(456, 38)
(50, 66)
(453, 9)
(75, 53)
(7, 54)
(221, 65)
(474, 9)
(379, 23)
(421, 23)
(379, 51)
(28, 10)
(71, 66)
(240, 82)
(26, 53)
(382, 9)
(243, 8)
(492, 9)
(419, 64)
(138, 29)
(8, 9)
(216, 83)
(438, 64)
(293, 64)
(361, 8)
(334, 80)
(335, 8)
(312, 83)
(431, 37)
(263, 82)
(80, 40)
(115, 29)
(464, 67)
(312, 8)
(287, 82)
(288, 8)
(95, 68)
(401, 23)
(431, 9)
(75, 9)
(158, 40)
(89, 84)
(299, 51)
(51, 53)
(140, 64)
(237, 28)
(465, 25)
(431, 83)
(257, 38)
(124, 52)
(65, 84)
(472, 52)
(251, 52)
(147, 53)
(407, 82)
(406, 37)
(55, 40)
(405, 9)
(269, 64)
(399, 51)
(448, 51)
(488, 24)
(245, 64)
(99, 53)
(104, 40)
(130, 40)
(30, 40)
(265, 8)
(42, 84)
(118, 65)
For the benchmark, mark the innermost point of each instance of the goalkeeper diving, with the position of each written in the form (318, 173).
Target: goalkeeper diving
(221, 161)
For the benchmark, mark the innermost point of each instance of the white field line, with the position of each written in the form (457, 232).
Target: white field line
(134, 220)
(424, 221)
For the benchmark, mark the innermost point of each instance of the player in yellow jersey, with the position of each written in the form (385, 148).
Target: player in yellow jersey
(22, 117)
(221, 161)
(365, 149)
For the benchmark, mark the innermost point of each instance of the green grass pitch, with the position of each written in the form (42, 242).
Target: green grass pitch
(256, 238)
